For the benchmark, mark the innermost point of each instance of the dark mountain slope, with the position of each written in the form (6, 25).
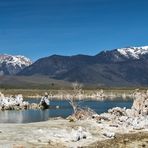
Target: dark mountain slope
(119, 67)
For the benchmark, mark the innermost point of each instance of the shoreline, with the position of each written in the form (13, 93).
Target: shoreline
(57, 132)
(119, 127)
(63, 94)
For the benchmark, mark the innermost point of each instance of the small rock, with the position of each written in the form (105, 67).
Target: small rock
(109, 134)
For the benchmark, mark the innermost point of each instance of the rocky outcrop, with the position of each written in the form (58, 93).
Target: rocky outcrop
(140, 105)
(12, 102)
(17, 103)
(135, 118)
(44, 103)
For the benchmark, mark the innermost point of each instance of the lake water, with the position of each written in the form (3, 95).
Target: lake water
(27, 116)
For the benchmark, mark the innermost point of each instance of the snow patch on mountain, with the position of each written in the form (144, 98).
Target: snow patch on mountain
(133, 52)
(12, 64)
(15, 60)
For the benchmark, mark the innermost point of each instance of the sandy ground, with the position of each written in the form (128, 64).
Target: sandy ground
(62, 133)
(130, 140)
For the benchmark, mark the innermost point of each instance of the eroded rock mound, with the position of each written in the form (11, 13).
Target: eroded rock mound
(135, 118)
(140, 105)
(12, 102)
(17, 103)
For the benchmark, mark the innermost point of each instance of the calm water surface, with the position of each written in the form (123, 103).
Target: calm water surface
(26, 116)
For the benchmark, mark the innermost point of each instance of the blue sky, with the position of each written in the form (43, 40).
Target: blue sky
(38, 28)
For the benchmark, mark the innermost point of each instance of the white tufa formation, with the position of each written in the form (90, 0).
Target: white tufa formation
(12, 102)
(135, 118)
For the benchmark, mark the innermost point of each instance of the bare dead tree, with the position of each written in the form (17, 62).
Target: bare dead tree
(76, 94)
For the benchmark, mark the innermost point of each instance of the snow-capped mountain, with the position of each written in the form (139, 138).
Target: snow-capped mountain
(11, 65)
(123, 54)
(133, 52)
(124, 66)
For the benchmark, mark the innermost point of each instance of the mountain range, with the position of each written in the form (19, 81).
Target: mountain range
(119, 67)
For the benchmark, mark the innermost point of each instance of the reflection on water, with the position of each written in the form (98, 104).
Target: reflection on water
(26, 116)
(23, 116)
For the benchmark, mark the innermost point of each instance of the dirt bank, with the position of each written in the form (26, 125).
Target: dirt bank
(130, 140)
